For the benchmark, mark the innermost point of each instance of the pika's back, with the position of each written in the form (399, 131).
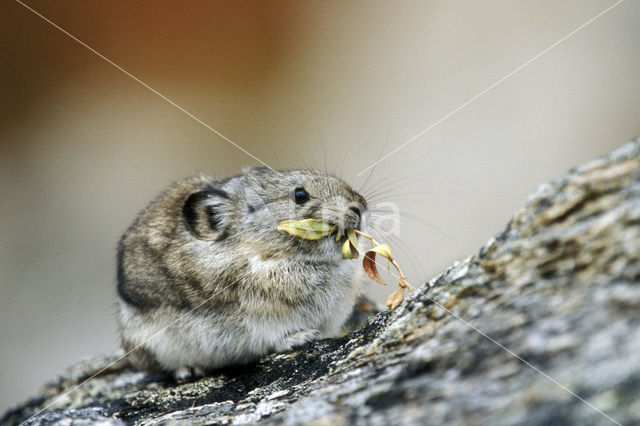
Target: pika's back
(144, 261)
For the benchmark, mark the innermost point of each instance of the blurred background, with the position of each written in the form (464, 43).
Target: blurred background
(298, 84)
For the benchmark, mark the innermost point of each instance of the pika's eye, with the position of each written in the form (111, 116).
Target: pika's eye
(300, 195)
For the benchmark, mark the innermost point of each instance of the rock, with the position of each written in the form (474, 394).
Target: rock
(542, 326)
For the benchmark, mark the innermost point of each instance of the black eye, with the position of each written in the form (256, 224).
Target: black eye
(300, 195)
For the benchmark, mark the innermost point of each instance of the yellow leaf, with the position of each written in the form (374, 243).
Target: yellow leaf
(308, 229)
(349, 249)
(383, 250)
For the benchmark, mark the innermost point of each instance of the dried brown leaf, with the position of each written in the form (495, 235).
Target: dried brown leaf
(395, 298)
(370, 268)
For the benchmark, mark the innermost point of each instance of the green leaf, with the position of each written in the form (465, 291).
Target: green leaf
(308, 229)
(349, 249)
(351, 236)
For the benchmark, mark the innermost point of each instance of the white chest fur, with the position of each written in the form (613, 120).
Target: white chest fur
(258, 325)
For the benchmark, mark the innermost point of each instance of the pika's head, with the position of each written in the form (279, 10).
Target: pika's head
(247, 208)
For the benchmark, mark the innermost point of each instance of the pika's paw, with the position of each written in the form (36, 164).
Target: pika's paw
(298, 339)
(185, 373)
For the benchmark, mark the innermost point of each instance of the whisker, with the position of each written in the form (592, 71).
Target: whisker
(403, 248)
(406, 166)
(324, 155)
(385, 183)
(429, 224)
(380, 195)
(408, 200)
(384, 146)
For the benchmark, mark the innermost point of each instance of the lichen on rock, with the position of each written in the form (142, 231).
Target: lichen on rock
(541, 326)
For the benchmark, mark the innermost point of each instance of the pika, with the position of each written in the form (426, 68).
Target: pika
(205, 279)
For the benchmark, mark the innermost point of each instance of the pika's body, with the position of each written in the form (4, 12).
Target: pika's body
(206, 280)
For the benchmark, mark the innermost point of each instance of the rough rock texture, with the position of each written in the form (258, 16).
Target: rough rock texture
(558, 288)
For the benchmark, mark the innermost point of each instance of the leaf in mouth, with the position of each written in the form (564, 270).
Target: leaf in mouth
(315, 229)
(308, 229)
(350, 246)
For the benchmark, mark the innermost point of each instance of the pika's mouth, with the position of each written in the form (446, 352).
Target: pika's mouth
(351, 220)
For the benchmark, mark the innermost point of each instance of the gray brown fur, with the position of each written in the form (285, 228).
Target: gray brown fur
(206, 260)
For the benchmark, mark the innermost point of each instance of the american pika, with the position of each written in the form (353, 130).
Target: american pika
(206, 280)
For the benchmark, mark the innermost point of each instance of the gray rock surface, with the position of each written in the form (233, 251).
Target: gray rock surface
(542, 326)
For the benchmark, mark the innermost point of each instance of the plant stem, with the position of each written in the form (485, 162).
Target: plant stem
(402, 281)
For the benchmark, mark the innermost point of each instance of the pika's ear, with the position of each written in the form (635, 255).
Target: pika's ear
(206, 214)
